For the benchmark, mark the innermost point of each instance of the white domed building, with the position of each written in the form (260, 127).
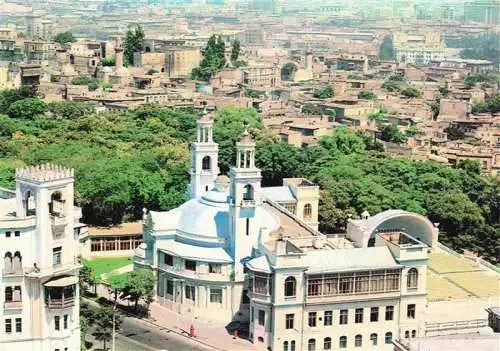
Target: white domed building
(199, 249)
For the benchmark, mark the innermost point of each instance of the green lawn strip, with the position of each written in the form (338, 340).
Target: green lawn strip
(107, 264)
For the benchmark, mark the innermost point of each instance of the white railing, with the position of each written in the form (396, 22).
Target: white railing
(478, 260)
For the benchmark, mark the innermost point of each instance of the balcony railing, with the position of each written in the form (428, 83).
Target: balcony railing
(58, 221)
(12, 272)
(60, 303)
(13, 305)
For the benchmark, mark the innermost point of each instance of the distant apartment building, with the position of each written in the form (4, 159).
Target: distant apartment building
(418, 49)
(38, 28)
(39, 269)
(261, 75)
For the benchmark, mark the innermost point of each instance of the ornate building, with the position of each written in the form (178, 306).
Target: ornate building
(39, 273)
(239, 251)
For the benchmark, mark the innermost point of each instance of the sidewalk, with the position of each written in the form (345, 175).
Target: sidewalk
(207, 333)
(213, 335)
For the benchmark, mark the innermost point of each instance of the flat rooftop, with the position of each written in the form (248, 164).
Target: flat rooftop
(454, 278)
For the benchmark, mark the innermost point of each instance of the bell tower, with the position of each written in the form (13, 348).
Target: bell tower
(204, 158)
(244, 199)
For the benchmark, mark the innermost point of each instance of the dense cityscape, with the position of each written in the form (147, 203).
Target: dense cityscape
(275, 175)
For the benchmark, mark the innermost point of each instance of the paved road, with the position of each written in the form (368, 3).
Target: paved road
(136, 335)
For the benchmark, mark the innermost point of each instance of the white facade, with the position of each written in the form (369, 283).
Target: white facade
(228, 253)
(327, 294)
(204, 159)
(419, 55)
(39, 269)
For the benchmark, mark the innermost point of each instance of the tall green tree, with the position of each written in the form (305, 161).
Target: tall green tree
(133, 43)
(104, 317)
(213, 59)
(139, 284)
(235, 50)
(386, 50)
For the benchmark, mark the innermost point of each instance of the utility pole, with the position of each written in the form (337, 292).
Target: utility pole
(114, 338)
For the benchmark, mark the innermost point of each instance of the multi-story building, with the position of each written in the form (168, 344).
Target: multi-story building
(39, 271)
(237, 251)
(362, 290)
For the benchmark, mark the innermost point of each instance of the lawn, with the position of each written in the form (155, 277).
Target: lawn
(102, 265)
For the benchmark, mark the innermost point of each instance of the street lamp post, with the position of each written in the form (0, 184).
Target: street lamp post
(114, 338)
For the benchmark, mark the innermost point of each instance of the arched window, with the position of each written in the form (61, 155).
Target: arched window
(307, 211)
(412, 279)
(311, 345)
(388, 338)
(248, 195)
(407, 334)
(72, 59)
(17, 262)
(327, 344)
(206, 163)
(413, 333)
(343, 342)
(28, 200)
(285, 346)
(7, 263)
(8, 294)
(373, 339)
(56, 204)
(292, 345)
(358, 340)
(290, 285)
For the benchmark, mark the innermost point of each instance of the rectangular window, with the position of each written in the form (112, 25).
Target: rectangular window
(168, 259)
(389, 313)
(260, 285)
(374, 314)
(17, 233)
(65, 321)
(289, 320)
(410, 312)
(346, 284)
(214, 268)
(314, 286)
(56, 255)
(7, 234)
(19, 325)
(170, 287)
(57, 322)
(216, 295)
(312, 319)
(328, 318)
(343, 317)
(8, 325)
(358, 317)
(95, 245)
(262, 317)
(190, 293)
(190, 265)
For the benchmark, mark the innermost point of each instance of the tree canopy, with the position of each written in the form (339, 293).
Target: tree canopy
(133, 43)
(127, 160)
(288, 71)
(386, 50)
(64, 37)
(324, 93)
(213, 59)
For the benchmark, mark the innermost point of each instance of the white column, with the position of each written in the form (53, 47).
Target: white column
(245, 160)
